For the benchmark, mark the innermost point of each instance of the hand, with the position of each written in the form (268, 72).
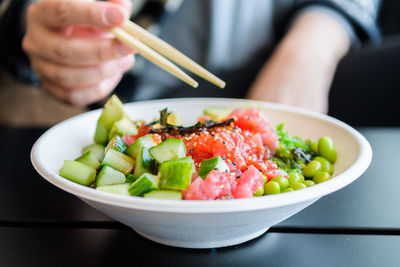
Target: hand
(77, 60)
(302, 67)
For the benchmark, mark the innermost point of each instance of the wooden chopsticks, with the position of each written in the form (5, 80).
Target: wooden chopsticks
(147, 44)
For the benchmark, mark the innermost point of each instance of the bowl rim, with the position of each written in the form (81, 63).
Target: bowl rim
(206, 206)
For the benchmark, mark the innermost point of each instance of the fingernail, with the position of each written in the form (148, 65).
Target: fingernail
(113, 16)
(122, 50)
(125, 62)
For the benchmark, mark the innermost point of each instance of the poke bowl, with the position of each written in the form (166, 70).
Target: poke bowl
(203, 223)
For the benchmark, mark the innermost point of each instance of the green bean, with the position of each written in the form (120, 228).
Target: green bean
(308, 183)
(282, 181)
(326, 166)
(295, 177)
(259, 192)
(297, 186)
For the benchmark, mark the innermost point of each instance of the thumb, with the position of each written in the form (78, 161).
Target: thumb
(127, 5)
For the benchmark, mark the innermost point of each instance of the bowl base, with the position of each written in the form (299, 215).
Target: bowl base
(205, 244)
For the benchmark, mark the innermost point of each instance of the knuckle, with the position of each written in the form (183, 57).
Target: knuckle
(61, 50)
(62, 11)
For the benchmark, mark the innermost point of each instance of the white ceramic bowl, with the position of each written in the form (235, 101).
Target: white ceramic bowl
(203, 224)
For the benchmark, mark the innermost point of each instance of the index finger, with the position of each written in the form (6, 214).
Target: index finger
(62, 13)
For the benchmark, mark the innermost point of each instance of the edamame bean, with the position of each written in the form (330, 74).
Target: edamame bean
(259, 192)
(308, 183)
(271, 188)
(312, 168)
(327, 149)
(297, 186)
(282, 181)
(295, 177)
(326, 166)
(320, 177)
(314, 147)
(287, 190)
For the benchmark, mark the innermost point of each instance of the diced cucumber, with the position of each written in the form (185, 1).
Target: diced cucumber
(78, 172)
(109, 176)
(122, 127)
(97, 150)
(118, 189)
(118, 161)
(169, 149)
(146, 183)
(164, 194)
(217, 113)
(176, 174)
(144, 162)
(101, 133)
(144, 141)
(208, 165)
(89, 159)
(131, 178)
(113, 111)
(116, 143)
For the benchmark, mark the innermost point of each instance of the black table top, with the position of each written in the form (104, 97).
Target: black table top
(40, 225)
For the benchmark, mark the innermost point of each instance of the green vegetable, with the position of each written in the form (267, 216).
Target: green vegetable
(89, 159)
(308, 183)
(297, 186)
(118, 161)
(287, 190)
(326, 166)
(78, 172)
(131, 178)
(176, 174)
(271, 188)
(259, 192)
(169, 149)
(144, 141)
(146, 183)
(208, 165)
(295, 177)
(118, 189)
(282, 181)
(122, 127)
(312, 168)
(327, 149)
(320, 177)
(96, 149)
(109, 176)
(164, 194)
(144, 162)
(116, 143)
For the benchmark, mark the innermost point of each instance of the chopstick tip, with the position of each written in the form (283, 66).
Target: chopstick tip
(222, 85)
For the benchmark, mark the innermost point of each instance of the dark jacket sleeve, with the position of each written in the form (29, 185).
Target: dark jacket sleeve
(362, 15)
(12, 58)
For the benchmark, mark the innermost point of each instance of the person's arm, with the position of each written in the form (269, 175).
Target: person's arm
(301, 69)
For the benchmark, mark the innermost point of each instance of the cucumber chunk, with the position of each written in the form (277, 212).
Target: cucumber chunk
(164, 194)
(131, 178)
(118, 189)
(169, 149)
(217, 113)
(96, 149)
(89, 159)
(109, 176)
(208, 165)
(113, 111)
(101, 133)
(144, 162)
(116, 143)
(176, 174)
(78, 172)
(144, 141)
(118, 161)
(122, 127)
(146, 183)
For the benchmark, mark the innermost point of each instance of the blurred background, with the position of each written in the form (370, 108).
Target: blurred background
(365, 90)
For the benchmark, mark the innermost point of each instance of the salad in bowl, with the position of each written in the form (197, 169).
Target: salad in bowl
(203, 173)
